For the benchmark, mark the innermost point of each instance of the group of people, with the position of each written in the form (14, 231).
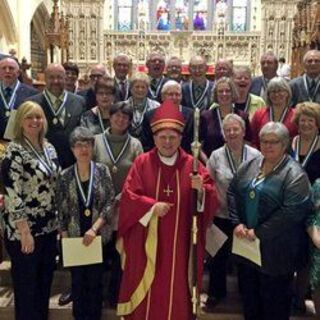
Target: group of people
(115, 160)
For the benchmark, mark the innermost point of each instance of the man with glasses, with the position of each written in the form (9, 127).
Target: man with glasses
(198, 91)
(97, 72)
(156, 64)
(171, 91)
(174, 69)
(122, 64)
(306, 87)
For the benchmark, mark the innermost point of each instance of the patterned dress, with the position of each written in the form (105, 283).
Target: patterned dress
(315, 252)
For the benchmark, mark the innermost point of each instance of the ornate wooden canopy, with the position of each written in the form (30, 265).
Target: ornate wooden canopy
(306, 32)
(57, 36)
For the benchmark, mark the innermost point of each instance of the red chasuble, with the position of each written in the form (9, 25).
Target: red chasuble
(155, 258)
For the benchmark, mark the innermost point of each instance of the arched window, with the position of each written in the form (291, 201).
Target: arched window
(239, 15)
(125, 15)
(181, 14)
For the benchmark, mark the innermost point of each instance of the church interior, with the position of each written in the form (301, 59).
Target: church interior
(90, 32)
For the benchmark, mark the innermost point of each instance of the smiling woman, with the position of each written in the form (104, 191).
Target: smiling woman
(29, 170)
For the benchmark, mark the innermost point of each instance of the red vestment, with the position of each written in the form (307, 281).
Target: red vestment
(155, 272)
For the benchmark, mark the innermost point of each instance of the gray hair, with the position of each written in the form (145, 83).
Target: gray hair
(81, 134)
(234, 117)
(278, 83)
(277, 128)
(170, 84)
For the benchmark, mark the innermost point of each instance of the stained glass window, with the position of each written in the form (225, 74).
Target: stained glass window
(181, 14)
(163, 15)
(239, 15)
(200, 15)
(125, 15)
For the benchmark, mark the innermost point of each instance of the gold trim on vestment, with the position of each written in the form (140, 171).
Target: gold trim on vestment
(174, 246)
(144, 286)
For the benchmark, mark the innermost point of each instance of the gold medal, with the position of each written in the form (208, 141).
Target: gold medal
(87, 212)
(252, 194)
(55, 120)
(114, 169)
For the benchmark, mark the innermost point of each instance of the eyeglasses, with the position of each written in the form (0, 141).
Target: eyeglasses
(269, 142)
(96, 76)
(83, 145)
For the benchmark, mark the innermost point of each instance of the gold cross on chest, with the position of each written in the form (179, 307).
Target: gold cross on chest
(168, 191)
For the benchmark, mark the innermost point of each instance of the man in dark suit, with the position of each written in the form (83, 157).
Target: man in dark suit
(170, 90)
(198, 91)
(156, 64)
(269, 66)
(12, 91)
(62, 109)
(97, 72)
(307, 86)
(121, 66)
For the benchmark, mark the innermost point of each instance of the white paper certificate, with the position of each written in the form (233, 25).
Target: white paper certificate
(75, 253)
(215, 239)
(247, 249)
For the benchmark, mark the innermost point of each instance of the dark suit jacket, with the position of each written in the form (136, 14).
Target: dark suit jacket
(203, 104)
(58, 134)
(256, 85)
(23, 92)
(187, 135)
(89, 97)
(119, 95)
(157, 96)
(300, 93)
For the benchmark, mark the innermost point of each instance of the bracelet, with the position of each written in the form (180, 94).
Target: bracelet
(94, 229)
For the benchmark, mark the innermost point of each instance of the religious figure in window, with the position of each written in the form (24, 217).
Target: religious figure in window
(163, 16)
(200, 14)
(181, 18)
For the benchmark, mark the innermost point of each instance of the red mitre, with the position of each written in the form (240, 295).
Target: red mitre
(167, 116)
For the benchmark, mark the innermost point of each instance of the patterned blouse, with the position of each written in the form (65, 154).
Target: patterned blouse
(29, 190)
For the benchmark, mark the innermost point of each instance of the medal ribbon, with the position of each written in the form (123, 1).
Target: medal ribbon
(136, 123)
(231, 160)
(46, 162)
(195, 105)
(58, 112)
(9, 105)
(283, 115)
(311, 98)
(86, 200)
(100, 121)
(309, 153)
(156, 93)
(220, 118)
(109, 151)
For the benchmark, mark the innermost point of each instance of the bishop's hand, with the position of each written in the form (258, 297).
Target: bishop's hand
(160, 209)
(196, 182)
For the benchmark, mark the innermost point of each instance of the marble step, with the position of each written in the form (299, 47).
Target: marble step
(229, 309)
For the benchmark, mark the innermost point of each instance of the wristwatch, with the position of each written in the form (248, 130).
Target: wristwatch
(95, 230)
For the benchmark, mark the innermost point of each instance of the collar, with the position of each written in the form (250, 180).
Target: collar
(118, 81)
(169, 161)
(53, 98)
(12, 86)
(310, 79)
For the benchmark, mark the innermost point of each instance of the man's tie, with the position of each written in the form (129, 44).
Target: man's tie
(312, 87)
(154, 84)
(7, 94)
(198, 90)
(122, 87)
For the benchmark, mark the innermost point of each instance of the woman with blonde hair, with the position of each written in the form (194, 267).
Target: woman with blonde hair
(29, 170)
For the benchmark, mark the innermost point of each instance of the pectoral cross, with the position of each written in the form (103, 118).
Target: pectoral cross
(168, 191)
